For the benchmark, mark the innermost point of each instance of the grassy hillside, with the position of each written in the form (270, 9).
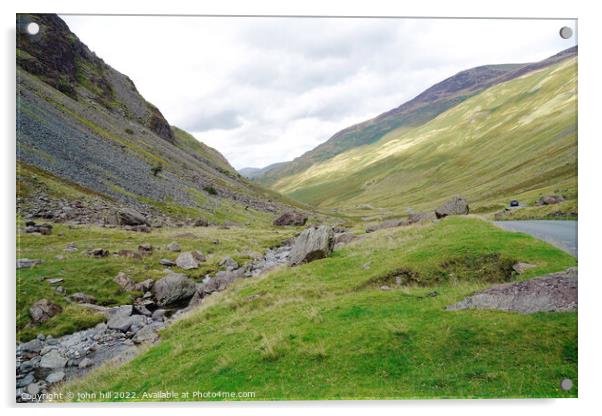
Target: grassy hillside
(419, 110)
(326, 330)
(515, 140)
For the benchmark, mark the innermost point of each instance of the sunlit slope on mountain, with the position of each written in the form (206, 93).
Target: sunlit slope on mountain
(419, 110)
(514, 140)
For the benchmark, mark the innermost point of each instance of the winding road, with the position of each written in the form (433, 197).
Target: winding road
(562, 234)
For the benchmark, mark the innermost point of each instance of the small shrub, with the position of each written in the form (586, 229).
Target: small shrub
(157, 169)
(210, 190)
(129, 131)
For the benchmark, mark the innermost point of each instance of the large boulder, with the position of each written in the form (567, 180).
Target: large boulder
(312, 244)
(190, 260)
(43, 310)
(129, 216)
(550, 200)
(173, 289)
(455, 206)
(291, 218)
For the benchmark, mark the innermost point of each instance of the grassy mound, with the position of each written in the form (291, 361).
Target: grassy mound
(309, 333)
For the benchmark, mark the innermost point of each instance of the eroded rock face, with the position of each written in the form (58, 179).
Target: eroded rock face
(291, 218)
(455, 206)
(173, 289)
(555, 292)
(312, 244)
(43, 310)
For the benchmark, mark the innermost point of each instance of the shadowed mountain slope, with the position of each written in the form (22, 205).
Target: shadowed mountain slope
(84, 130)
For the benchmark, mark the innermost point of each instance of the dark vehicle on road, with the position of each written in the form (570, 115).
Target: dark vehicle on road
(514, 203)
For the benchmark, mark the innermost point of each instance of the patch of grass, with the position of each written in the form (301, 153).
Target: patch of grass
(306, 332)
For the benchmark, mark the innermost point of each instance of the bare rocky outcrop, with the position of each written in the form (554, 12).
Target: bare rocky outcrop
(455, 206)
(555, 292)
(312, 244)
(291, 218)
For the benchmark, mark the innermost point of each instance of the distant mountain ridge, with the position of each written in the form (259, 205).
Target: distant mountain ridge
(516, 139)
(424, 107)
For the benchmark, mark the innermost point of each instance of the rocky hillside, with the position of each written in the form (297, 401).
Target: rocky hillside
(421, 109)
(88, 143)
(515, 140)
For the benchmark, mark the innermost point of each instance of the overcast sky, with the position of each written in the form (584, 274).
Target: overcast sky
(266, 90)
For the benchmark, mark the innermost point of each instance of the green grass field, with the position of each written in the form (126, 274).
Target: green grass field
(326, 330)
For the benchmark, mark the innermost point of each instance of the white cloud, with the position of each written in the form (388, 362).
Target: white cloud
(265, 90)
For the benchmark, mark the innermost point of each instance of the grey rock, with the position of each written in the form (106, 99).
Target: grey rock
(555, 292)
(35, 345)
(55, 280)
(43, 310)
(85, 363)
(173, 289)
(53, 359)
(173, 246)
(125, 282)
(55, 377)
(129, 216)
(167, 262)
(189, 260)
(25, 381)
(312, 244)
(229, 263)
(520, 268)
(146, 335)
(34, 389)
(144, 286)
(291, 218)
(342, 239)
(455, 206)
(27, 263)
(158, 315)
(550, 200)
(80, 297)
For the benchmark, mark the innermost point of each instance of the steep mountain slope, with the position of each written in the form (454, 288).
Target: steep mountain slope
(515, 139)
(424, 107)
(84, 131)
